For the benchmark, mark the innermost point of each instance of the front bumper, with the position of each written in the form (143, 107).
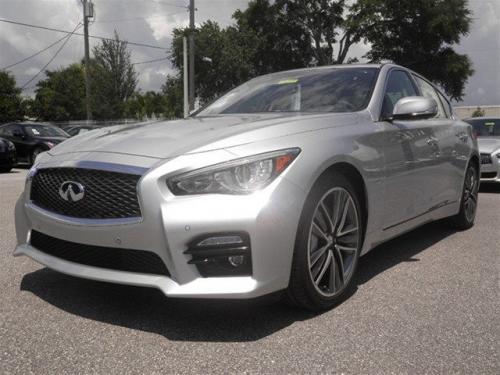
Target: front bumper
(169, 224)
(490, 172)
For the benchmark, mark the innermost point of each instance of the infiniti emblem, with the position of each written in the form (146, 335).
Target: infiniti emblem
(71, 191)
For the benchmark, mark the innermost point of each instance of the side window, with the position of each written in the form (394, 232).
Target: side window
(429, 92)
(8, 130)
(399, 85)
(446, 105)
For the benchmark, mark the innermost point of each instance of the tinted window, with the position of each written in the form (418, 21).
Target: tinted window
(485, 127)
(44, 131)
(446, 105)
(429, 92)
(399, 85)
(329, 90)
(8, 130)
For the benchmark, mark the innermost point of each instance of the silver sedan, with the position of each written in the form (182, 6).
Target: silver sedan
(487, 131)
(278, 186)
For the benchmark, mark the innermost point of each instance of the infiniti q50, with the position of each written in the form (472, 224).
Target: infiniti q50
(278, 186)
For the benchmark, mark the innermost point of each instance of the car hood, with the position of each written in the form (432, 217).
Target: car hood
(489, 144)
(168, 139)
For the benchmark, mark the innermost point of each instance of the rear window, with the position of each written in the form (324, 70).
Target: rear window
(485, 127)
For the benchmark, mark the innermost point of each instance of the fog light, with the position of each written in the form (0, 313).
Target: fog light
(236, 261)
(221, 254)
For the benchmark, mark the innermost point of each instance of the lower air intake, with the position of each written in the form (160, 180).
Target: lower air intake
(139, 261)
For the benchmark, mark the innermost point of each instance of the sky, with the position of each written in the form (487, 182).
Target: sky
(152, 21)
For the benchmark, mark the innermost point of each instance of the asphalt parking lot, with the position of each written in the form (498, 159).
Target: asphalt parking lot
(427, 302)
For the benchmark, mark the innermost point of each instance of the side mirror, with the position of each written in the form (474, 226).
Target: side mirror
(414, 107)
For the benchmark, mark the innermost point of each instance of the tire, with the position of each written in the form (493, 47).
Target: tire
(34, 154)
(313, 285)
(468, 203)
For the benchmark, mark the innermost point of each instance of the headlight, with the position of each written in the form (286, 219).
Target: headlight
(11, 145)
(241, 176)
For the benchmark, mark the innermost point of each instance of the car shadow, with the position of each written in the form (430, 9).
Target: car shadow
(489, 188)
(206, 320)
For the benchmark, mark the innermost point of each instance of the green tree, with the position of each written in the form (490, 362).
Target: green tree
(60, 96)
(419, 35)
(222, 59)
(173, 96)
(10, 99)
(113, 79)
(146, 105)
(478, 112)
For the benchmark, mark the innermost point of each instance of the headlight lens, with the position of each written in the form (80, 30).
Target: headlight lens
(241, 176)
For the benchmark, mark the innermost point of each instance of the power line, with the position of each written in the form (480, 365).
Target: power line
(138, 18)
(150, 61)
(53, 57)
(34, 55)
(80, 34)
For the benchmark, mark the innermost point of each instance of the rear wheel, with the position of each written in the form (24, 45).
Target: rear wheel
(328, 244)
(468, 204)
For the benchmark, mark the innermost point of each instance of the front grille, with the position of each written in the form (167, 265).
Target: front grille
(103, 257)
(488, 174)
(107, 195)
(486, 159)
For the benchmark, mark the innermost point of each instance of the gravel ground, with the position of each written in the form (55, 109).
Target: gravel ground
(427, 302)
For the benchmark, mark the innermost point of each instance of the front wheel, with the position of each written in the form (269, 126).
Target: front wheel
(34, 154)
(468, 203)
(328, 244)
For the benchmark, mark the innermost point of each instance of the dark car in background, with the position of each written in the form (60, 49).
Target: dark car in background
(487, 131)
(30, 139)
(7, 155)
(80, 129)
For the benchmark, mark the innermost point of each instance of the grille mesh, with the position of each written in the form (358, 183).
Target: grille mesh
(103, 257)
(486, 159)
(108, 195)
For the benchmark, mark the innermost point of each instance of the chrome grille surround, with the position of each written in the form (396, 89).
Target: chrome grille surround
(108, 195)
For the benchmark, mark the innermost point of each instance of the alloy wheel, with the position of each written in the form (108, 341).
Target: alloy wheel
(333, 243)
(470, 193)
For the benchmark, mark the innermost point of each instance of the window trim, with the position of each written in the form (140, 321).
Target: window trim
(386, 81)
(439, 94)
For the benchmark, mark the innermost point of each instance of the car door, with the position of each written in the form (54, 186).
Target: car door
(411, 156)
(448, 173)
(21, 140)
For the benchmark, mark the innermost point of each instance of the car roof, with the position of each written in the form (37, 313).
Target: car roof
(320, 68)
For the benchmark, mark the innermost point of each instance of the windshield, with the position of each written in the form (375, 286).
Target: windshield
(44, 131)
(328, 90)
(486, 127)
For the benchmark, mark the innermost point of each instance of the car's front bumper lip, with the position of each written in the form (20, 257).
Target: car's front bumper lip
(214, 287)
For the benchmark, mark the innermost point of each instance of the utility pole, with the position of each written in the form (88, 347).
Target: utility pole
(88, 12)
(185, 74)
(191, 55)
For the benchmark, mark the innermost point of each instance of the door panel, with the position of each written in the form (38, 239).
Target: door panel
(412, 163)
